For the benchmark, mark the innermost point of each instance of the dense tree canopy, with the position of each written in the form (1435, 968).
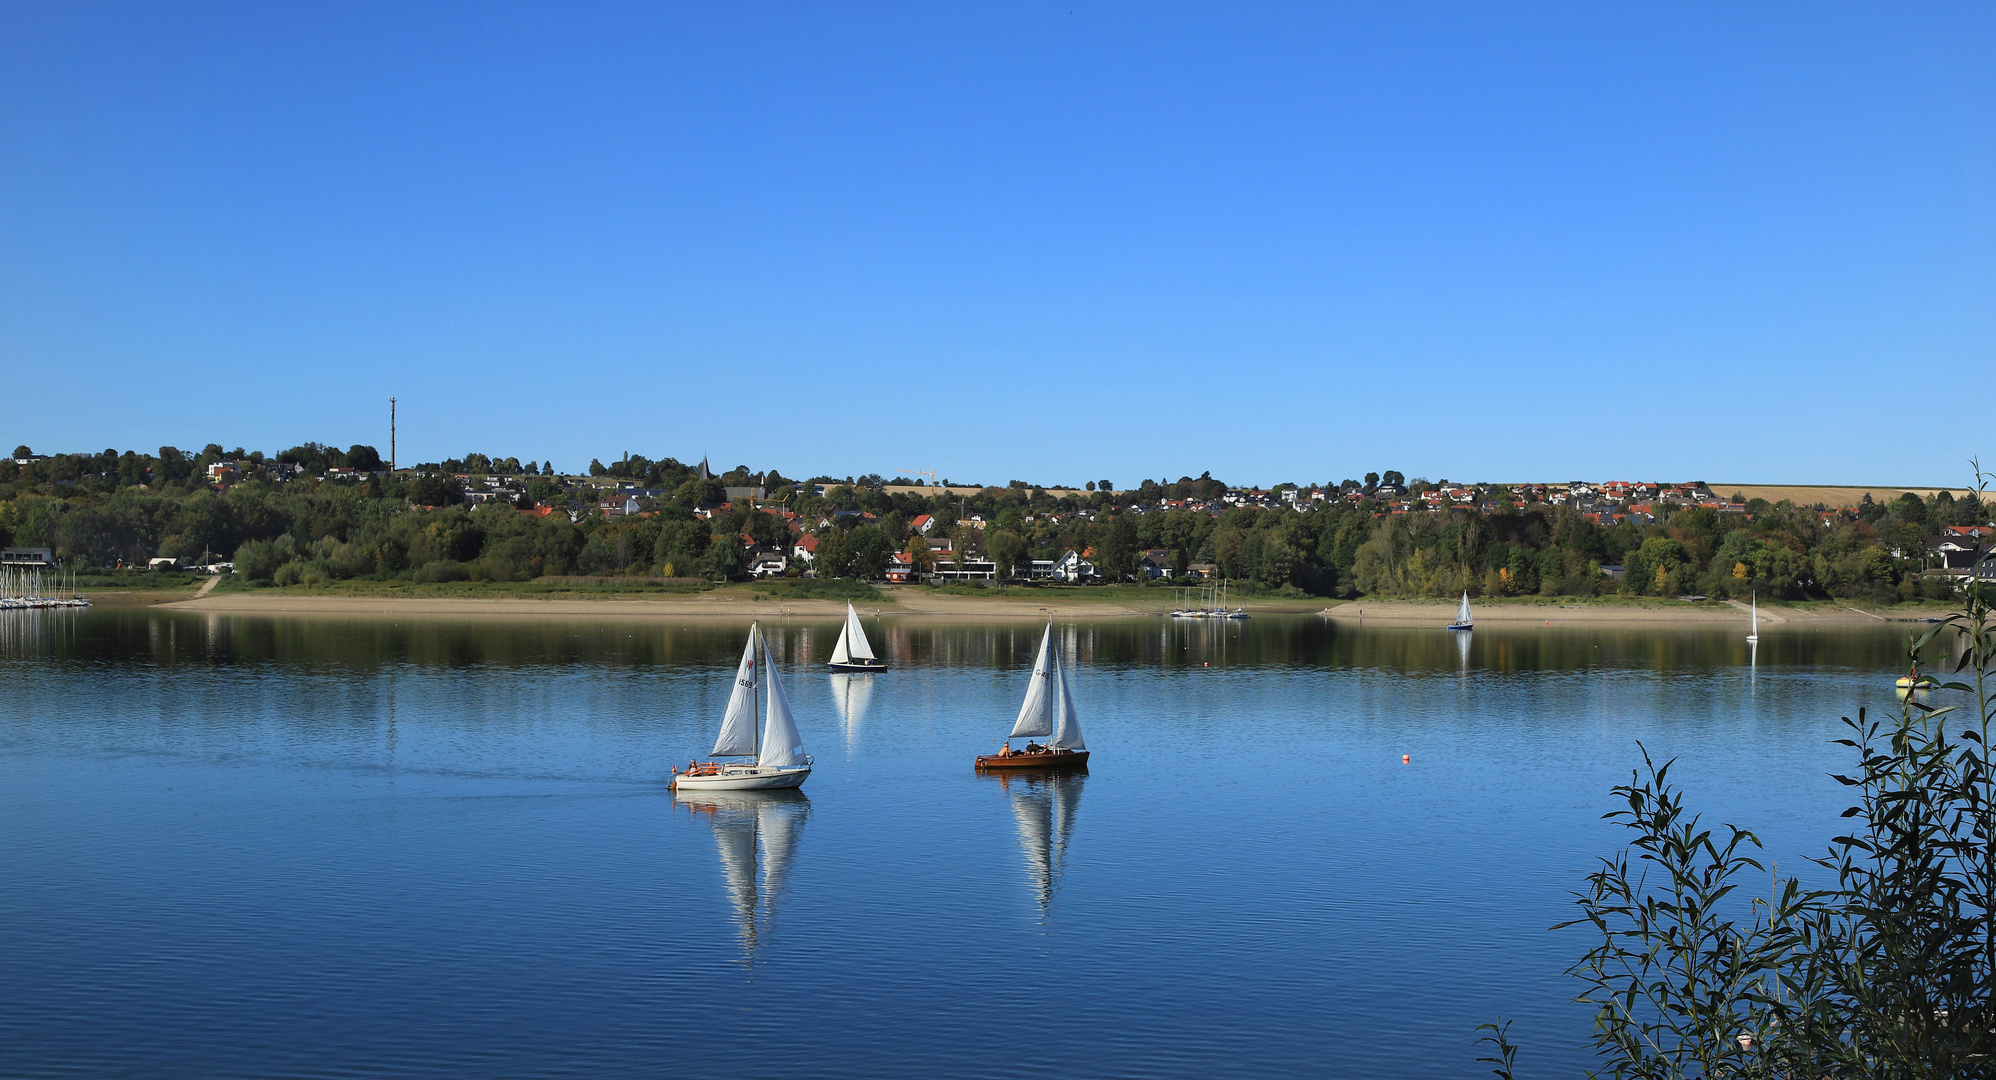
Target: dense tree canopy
(109, 507)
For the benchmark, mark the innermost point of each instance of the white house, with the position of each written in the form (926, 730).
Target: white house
(1072, 567)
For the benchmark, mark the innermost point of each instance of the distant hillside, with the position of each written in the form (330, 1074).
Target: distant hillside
(1826, 494)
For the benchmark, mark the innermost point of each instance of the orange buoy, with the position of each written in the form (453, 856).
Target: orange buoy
(1406, 758)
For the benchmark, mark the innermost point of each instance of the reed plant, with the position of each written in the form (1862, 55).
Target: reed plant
(1709, 964)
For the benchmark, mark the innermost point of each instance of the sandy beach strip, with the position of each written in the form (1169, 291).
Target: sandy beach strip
(1023, 604)
(909, 602)
(1427, 613)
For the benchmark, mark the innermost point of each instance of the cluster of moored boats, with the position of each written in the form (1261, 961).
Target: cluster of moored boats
(21, 587)
(770, 756)
(1210, 604)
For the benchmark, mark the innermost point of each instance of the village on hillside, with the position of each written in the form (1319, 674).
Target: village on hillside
(363, 517)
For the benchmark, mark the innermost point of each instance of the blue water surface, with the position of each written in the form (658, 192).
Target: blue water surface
(254, 847)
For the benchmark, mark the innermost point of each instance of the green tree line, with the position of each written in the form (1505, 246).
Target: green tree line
(99, 509)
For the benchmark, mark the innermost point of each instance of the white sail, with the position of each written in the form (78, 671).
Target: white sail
(1036, 715)
(854, 638)
(738, 723)
(841, 654)
(782, 747)
(1462, 615)
(1756, 615)
(1067, 726)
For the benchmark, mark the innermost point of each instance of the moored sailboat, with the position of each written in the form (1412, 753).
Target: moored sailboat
(1462, 619)
(776, 753)
(854, 653)
(1753, 628)
(1048, 712)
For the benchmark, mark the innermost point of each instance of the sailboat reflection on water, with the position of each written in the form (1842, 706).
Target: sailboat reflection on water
(850, 695)
(1043, 806)
(753, 830)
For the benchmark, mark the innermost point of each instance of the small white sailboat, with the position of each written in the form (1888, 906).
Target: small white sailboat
(776, 753)
(1462, 619)
(1047, 711)
(853, 653)
(1753, 628)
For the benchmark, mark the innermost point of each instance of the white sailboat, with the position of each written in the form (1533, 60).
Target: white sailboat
(1462, 619)
(853, 653)
(776, 753)
(1048, 712)
(1753, 628)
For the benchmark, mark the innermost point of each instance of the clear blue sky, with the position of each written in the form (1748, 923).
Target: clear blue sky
(1049, 242)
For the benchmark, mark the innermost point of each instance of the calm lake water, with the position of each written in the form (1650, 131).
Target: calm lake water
(361, 847)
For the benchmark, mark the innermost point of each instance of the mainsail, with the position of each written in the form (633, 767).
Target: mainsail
(782, 747)
(1036, 715)
(1067, 726)
(1462, 614)
(738, 724)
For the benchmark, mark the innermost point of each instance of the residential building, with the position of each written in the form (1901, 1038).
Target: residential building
(1074, 566)
(30, 557)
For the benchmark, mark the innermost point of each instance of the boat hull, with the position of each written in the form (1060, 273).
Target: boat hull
(1063, 761)
(1460, 626)
(856, 667)
(741, 778)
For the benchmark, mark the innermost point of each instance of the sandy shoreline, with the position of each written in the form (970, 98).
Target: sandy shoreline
(1411, 613)
(913, 602)
(921, 602)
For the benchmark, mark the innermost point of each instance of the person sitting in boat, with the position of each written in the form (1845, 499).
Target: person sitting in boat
(1035, 748)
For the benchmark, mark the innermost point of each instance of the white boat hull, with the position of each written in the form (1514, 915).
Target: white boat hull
(742, 778)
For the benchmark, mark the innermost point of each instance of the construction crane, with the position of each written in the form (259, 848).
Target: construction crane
(920, 472)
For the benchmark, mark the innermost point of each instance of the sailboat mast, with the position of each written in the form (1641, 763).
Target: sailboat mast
(755, 698)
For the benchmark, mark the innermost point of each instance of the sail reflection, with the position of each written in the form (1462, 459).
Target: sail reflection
(850, 693)
(1043, 807)
(745, 824)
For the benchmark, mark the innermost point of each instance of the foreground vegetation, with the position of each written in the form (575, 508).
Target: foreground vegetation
(415, 527)
(1889, 972)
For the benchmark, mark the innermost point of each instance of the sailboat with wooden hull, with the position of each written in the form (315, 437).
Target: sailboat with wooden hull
(775, 754)
(1048, 712)
(853, 653)
(1462, 619)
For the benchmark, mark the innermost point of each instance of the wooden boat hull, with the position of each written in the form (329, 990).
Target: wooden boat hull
(856, 667)
(1066, 761)
(740, 778)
